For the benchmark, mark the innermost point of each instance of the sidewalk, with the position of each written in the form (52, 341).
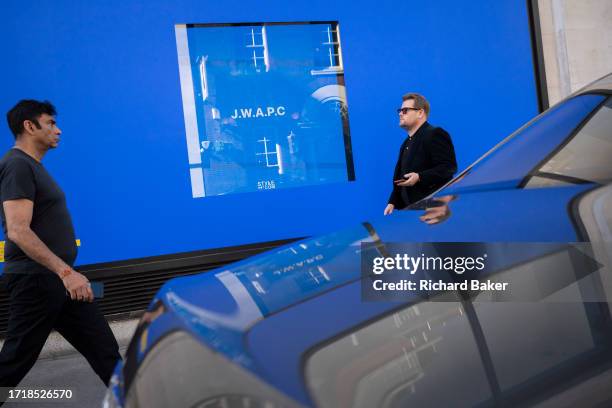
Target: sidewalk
(56, 346)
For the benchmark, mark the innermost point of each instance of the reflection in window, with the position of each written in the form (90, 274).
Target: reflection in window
(478, 350)
(587, 156)
(257, 43)
(329, 53)
(404, 359)
(176, 372)
(542, 335)
(265, 106)
(594, 212)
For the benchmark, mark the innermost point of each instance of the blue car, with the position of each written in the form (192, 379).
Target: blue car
(290, 328)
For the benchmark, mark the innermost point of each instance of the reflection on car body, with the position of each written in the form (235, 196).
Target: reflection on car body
(289, 328)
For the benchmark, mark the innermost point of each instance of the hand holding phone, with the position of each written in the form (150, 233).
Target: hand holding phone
(98, 289)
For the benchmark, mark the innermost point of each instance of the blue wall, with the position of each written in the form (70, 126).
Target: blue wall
(111, 69)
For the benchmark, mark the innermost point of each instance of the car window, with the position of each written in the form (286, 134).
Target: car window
(462, 352)
(402, 360)
(179, 371)
(506, 165)
(593, 217)
(543, 335)
(587, 157)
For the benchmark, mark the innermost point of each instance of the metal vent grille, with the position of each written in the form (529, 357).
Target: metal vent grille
(129, 286)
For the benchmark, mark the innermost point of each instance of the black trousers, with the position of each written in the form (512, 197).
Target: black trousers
(39, 304)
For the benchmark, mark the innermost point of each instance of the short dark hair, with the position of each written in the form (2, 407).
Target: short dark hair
(419, 101)
(27, 109)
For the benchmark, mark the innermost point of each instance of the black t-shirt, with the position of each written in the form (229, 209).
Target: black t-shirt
(21, 176)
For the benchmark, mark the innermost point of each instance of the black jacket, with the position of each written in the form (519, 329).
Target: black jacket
(431, 154)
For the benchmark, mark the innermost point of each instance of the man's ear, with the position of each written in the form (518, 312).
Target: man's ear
(28, 126)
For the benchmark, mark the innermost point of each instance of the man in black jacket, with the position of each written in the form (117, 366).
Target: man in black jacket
(427, 157)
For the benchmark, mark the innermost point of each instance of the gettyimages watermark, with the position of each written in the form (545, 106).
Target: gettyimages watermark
(497, 272)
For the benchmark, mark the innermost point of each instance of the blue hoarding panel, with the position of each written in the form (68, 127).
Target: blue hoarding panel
(112, 70)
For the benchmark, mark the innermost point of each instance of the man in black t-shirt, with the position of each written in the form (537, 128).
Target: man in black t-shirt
(45, 292)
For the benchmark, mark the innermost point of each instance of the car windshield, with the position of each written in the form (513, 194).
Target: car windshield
(586, 157)
(569, 143)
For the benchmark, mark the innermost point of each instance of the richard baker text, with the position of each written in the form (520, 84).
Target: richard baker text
(439, 285)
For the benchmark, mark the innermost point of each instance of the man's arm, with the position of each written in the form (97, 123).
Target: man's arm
(395, 196)
(389, 209)
(18, 214)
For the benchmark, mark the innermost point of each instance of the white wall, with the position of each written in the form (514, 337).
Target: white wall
(577, 43)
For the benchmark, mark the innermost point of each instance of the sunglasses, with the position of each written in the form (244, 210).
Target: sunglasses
(404, 111)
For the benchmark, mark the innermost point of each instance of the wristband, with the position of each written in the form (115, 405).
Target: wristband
(65, 273)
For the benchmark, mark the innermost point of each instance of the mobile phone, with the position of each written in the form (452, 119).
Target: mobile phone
(98, 289)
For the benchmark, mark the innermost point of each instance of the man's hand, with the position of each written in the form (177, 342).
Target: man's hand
(435, 215)
(389, 209)
(78, 286)
(410, 179)
(438, 214)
